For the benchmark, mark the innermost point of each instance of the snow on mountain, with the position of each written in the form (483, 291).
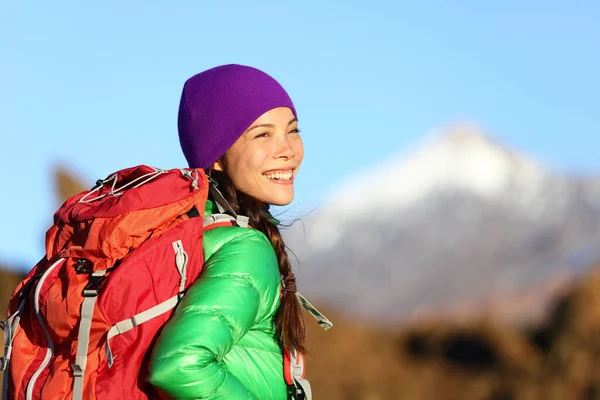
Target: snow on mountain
(458, 218)
(461, 159)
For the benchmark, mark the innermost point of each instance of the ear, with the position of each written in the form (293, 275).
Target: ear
(217, 166)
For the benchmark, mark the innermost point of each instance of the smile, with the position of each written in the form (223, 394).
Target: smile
(279, 176)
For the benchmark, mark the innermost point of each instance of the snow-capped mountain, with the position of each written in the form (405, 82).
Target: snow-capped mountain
(459, 218)
(463, 158)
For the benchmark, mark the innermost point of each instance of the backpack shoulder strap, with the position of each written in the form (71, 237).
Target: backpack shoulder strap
(217, 220)
(298, 387)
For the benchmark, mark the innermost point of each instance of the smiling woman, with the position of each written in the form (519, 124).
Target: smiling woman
(239, 328)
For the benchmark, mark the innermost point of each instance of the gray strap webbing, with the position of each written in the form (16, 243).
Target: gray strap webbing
(321, 319)
(83, 341)
(217, 218)
(9, 327)
(181, 260)
(305, 386)
(6, 357)
(222, 204)
(130, 323)
(240, 220)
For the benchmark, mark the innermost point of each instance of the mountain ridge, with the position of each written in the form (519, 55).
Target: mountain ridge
(462, 158)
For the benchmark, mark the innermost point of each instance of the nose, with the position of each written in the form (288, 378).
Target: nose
(284, 148)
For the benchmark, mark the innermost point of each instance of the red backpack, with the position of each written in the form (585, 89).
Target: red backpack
(118, 259)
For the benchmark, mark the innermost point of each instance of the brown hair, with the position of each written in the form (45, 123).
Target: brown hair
(290, 321)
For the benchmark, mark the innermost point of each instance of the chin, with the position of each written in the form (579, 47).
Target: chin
(279, 203)
(281, 200)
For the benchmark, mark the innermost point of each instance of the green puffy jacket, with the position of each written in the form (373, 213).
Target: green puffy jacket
(221, 342)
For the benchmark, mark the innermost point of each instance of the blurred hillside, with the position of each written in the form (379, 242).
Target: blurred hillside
(8, 282)
(476, 359)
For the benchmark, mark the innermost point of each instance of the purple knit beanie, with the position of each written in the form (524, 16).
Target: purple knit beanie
(219, 104)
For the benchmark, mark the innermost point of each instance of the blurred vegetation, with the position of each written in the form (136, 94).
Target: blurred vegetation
(66, 184)
(476, 359)
(558, 359)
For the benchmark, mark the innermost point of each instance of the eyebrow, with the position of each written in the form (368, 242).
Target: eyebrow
(270, 125)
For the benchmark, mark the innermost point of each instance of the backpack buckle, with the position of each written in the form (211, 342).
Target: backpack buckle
(3, 363)
(83, 266)
(242, 221)
(93, 286)
(295, 392)
(77, 370)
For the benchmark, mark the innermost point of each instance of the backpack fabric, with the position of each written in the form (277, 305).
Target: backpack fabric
(119, 258)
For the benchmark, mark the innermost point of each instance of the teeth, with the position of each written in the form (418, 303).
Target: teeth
(280, 175)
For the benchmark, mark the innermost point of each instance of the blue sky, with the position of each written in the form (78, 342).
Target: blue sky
(96, 86)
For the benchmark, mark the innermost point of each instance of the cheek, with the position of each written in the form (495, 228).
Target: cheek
(299, 149)
(244, 170)
(255, 162)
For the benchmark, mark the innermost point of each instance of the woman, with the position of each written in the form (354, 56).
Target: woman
(226, 337)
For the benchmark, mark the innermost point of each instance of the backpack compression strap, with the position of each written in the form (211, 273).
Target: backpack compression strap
(90, 294)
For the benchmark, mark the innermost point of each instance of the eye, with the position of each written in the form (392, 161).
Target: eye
(295, 131)
(261, 135)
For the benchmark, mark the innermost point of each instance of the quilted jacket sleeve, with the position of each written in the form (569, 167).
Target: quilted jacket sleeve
(219, 308)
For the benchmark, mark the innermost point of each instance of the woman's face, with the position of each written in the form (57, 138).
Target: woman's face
(264, 161)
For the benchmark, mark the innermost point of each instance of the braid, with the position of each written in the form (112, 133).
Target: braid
(290, 320)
